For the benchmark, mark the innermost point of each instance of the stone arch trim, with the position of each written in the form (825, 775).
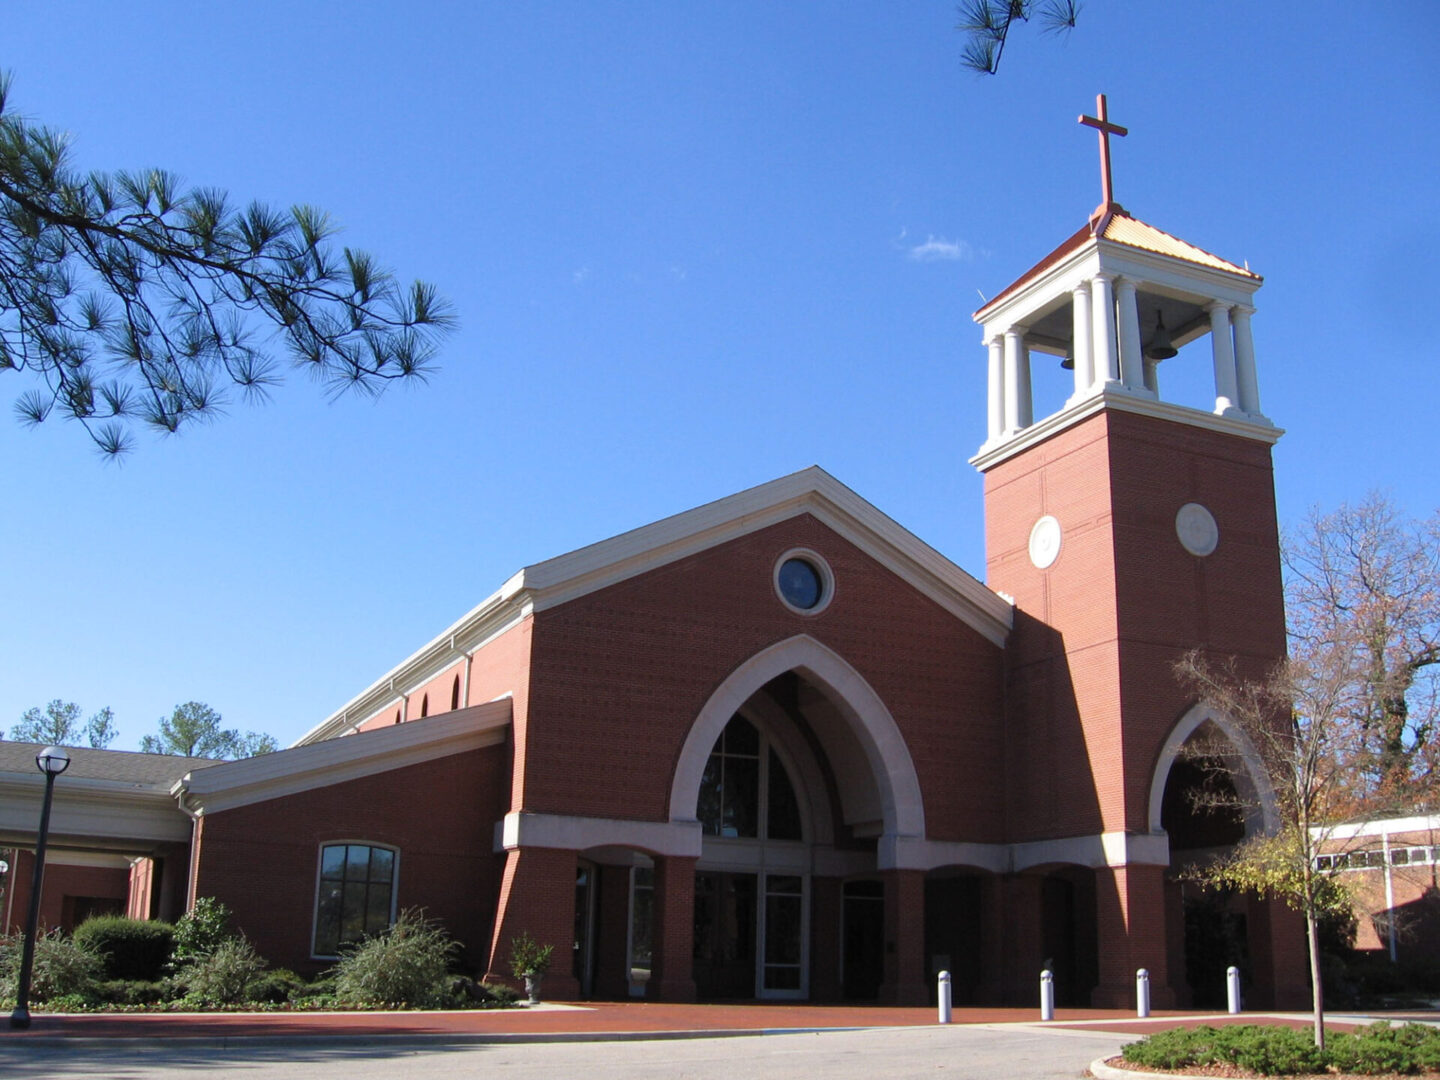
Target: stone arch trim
(1254, 772)
(889, 758)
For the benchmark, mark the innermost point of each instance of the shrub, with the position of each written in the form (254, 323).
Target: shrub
(202, 929)
(1279, 1051)
(132, 992)
(226, 976)
(406, 965)
(1174, 1049)
(278, 986)
(132, 949)
(529, 957)
(1381, 1048)
(61, 967)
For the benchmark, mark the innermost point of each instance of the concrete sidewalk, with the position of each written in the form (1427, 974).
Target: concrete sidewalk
(594, 1021)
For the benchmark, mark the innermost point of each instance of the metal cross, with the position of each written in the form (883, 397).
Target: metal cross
(1106, 129)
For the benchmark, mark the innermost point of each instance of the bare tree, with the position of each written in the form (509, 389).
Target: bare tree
(1363, 584)
(987, 25)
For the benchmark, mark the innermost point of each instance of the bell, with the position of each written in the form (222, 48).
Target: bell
(1160, 347)
(1068, 363)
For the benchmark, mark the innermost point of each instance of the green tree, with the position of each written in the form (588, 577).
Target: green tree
(987, 25)
(59, 725)
(130, 298)
(194, 730)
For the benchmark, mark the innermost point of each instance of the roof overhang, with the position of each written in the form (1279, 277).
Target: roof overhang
(1029, 301)
(90, 814)
(334, 761)
(1122, 400)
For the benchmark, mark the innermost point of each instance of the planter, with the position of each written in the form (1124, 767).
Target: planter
(532, 988)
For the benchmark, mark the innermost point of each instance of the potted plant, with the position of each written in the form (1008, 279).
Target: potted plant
(529, 960)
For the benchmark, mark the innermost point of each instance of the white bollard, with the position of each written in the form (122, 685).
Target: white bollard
(1142, 993)
(1047, 995)
(1232, 989)
(943, 996)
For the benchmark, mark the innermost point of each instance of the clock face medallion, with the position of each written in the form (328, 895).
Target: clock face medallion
(1196, 528)
(1045, 542)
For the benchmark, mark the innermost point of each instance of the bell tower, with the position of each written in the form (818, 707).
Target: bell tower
(1127, 529)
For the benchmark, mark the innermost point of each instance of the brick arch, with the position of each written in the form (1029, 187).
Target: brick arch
(1254, 785)
(865, 714)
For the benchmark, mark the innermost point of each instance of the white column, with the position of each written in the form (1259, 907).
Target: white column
(1081, 335)
(1247, 383)
(997, 388)
(1132, 372)
(1102, 322)
(1018, 407)
(1152, 376)
(1224, 352)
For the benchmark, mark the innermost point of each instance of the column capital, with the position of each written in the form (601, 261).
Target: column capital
(1238, 310)
(1215, 306)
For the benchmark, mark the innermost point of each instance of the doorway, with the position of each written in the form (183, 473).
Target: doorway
(862, 955)
(725, 912)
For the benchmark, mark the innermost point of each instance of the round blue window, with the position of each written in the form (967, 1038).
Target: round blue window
(800, 584)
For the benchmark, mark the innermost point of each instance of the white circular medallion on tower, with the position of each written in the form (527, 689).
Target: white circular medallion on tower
(1196, 528)
(1045, 542)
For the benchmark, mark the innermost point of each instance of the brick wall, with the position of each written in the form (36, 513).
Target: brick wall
(1098, 632)
(619, 676)
(262, 859)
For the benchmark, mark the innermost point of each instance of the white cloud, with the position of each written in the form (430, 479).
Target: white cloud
(582, 275)
(938, 249)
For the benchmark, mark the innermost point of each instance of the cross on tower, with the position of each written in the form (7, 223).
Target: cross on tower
(1106, 129)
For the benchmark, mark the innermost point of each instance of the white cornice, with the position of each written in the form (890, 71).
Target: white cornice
(493, 616)
(334, 761)
(1094, 851)
(1421, 823)
(1121, 400)
(812, 491)
(1100, 256)
(567, 577)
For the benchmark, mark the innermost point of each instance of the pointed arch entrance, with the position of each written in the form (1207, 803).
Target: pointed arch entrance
(804, 789)
(1209, 791)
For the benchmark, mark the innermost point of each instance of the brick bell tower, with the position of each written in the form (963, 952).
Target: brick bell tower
(1127, 529)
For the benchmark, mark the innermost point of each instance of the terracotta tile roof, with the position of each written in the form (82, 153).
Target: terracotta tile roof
(1124, 229)
(124, 766)
(1119, 227)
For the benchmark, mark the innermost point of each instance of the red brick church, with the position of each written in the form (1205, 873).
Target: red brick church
(777, 746)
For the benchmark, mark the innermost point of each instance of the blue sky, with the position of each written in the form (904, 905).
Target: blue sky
(693, 247)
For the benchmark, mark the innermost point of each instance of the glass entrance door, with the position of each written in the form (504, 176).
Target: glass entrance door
(725, 912)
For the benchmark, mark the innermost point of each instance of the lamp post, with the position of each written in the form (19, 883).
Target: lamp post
(52, 761)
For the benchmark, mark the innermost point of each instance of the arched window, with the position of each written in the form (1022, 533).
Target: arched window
(397, 716)
(356, 896)
(425, 705)
(455, 694)
(745, 791)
